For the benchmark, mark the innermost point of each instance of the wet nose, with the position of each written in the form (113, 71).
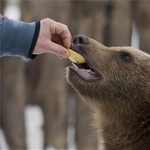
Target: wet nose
(80, 40)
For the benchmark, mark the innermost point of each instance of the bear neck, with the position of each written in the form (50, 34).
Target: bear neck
(123, 131)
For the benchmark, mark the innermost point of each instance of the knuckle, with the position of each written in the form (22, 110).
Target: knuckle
(65, 27)
(47, 19)
(58, 50)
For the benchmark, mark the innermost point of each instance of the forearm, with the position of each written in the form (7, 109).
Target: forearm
(18, 38)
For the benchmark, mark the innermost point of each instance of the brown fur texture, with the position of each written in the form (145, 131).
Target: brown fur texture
(121, 98)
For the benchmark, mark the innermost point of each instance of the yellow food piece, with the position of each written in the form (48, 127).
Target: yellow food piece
(75, 57)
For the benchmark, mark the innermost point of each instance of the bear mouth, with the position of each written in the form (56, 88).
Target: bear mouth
(86, 71)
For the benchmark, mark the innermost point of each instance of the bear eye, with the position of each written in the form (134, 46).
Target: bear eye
(125, 56)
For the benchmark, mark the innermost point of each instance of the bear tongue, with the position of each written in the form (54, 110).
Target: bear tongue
(87, 74)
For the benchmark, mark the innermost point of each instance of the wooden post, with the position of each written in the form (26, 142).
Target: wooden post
(12, 99)
(13, 102)
(142, 17)
(87, 17)
(46, 86)
(120, 23)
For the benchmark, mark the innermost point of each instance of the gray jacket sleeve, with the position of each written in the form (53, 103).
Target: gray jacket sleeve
(18, 38)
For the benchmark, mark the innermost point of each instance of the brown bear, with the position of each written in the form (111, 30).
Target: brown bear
(115, 81)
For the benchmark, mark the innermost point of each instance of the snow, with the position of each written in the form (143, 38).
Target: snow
(12, 10)
(34, 133)
(33, 123)
(135, 39)
(3, 144)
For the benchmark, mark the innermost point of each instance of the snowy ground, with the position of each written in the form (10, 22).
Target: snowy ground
(34, 122)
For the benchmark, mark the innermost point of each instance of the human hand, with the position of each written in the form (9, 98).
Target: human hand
(54, 37)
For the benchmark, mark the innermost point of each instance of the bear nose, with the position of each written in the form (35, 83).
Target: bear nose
(80, 39)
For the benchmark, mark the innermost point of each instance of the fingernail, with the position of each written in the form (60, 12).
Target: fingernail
(65, 55)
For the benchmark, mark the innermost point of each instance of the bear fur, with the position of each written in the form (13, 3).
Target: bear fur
(120, 98)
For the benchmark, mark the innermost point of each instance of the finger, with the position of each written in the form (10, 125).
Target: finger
(64, 33)
(58, 49)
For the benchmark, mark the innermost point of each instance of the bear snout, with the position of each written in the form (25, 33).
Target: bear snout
(80, 40)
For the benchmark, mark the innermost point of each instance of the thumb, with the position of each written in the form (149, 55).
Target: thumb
(58, 50)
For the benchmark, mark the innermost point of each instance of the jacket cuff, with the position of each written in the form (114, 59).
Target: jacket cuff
(34, 40)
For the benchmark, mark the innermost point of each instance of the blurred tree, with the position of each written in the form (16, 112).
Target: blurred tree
(2, 6)
(12, 99)
(142, 17)
(44, 76)
(120, 23)
(87, 18)
(13, 102)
